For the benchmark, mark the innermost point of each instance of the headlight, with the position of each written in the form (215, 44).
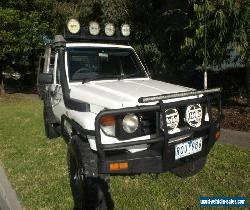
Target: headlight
(172, 118)
(194, 115)
(94, 28)
(108, 125)
(109, 29)
(73, 26)
(125, 29)
(130, 123)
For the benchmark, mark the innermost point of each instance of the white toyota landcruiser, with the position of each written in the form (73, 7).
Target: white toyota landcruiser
(114, 118)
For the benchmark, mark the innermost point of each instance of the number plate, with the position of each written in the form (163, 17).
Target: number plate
(188, 148)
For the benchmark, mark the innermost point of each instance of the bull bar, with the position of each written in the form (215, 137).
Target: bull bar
(151, 161)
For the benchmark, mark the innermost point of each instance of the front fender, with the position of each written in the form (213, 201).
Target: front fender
(87, 121)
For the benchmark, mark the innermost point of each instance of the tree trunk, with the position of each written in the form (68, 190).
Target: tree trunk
(205, 79)
(2, 91)
(248, 82)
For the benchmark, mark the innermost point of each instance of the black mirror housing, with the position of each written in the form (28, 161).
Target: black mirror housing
(45, 79)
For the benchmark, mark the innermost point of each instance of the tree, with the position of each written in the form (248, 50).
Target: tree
(242, 38)
(157, 28)
(228, 24)
(23, 27)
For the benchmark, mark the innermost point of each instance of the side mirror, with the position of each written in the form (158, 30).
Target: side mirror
(45, 79)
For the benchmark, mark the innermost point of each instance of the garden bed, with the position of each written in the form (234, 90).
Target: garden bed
(237, 115)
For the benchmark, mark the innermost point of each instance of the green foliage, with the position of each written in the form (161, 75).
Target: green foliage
(8, 20)
(227, 24)
(23, 26)
(168, 32)
(83, 10)
(242, 35)
(150, 55)
(115, 11)
(29, 22)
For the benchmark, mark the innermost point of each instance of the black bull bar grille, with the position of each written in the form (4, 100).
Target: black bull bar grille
(209, 98)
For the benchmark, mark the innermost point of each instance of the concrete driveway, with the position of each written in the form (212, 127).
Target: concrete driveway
(237, 138)
(8, 197)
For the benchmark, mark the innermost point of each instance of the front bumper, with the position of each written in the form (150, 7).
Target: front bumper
(160, 156)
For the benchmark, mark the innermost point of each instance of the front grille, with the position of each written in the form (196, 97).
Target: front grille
(148, 123)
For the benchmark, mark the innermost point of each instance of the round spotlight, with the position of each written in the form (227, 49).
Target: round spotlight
(194, 115)
(125, 29)
(109, 29)
(172, 118)
(94, 28)
(73, 26)
(130, 123)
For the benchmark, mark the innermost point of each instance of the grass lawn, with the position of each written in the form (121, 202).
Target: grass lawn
(38, 172)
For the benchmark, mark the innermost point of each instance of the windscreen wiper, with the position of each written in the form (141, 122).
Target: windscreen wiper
(126, 76)
(119, 77)
(100, 77)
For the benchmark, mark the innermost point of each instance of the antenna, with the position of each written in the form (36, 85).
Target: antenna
(205, 45)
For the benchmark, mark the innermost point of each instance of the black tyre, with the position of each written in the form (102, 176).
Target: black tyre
(90, 191)
(190, 168)
(50, 131)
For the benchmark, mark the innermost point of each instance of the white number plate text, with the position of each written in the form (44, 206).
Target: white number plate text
(188, 148)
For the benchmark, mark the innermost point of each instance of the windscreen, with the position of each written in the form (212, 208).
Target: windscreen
(91, 63)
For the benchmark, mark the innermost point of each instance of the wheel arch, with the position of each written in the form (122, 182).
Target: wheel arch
(73, 126)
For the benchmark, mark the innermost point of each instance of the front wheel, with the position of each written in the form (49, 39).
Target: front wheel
(90, 191)
(190, 168)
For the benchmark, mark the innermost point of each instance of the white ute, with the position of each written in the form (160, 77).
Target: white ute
(114, 118)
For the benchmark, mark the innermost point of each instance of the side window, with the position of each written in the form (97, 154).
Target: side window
(51, 63)
(46, 60)
(41, 64)
(57, 70)
(57, 75)
(53, 67)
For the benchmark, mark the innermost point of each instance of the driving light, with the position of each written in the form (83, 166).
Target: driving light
(94, 28)
(130, 123)
(108, 125)
(109, 29)
(125, 29)
(172, 118)
(194, 115)
(73, 26)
